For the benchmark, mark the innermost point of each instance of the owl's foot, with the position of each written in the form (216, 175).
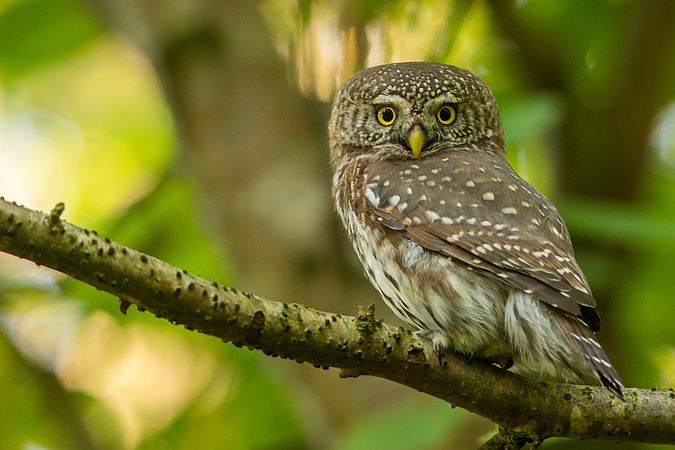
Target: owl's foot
(438, 339)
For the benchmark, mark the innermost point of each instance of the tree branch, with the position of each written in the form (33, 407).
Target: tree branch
(359, 345)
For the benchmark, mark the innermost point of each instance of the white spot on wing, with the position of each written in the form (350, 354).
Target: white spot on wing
(372, 198)
(431, 215)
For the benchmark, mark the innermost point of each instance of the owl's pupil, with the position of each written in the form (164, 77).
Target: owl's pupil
(444, 114)
(388, 115)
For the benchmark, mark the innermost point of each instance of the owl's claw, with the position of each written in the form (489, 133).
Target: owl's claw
(439, 342)
(438, 350)
(502, 361)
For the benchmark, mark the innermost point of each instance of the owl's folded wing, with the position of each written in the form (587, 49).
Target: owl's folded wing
(535, 259)
(550, 276)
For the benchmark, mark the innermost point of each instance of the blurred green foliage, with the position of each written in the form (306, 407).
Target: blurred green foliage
(417, 426)
(120, 173)
(36, 33)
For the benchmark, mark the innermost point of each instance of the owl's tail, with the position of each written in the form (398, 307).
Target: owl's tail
(583, 339)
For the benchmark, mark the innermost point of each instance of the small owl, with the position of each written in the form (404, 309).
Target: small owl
(457, 244)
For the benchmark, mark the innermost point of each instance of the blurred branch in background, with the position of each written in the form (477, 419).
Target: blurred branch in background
(531, 410)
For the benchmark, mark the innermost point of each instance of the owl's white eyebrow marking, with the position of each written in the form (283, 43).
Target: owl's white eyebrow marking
(436, 102)
(390, 99)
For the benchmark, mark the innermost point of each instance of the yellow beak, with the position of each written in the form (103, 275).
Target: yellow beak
(416, 140)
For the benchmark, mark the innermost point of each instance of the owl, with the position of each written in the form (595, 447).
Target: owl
(458, 245)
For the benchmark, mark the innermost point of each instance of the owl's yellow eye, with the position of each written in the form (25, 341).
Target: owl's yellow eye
(446, 115)
(386, 115)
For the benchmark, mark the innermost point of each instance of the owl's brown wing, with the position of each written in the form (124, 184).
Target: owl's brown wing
(472, 207)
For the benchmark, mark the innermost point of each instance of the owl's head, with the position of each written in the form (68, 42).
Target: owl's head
(405, 110)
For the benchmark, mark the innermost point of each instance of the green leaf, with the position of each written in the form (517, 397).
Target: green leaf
(34, 33)
(417, 426)
(529, 116)
(617, 223)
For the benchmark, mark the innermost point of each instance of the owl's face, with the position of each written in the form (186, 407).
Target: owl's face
(403, 110)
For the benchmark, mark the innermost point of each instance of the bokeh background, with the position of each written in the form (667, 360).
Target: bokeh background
(195, 131)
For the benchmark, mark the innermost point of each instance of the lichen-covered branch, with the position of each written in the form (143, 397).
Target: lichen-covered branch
(359, 345)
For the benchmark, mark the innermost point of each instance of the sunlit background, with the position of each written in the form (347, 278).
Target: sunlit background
(195, 131)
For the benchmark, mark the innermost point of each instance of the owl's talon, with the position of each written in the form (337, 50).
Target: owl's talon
(438, 350)
(502, 361)
(439, 342)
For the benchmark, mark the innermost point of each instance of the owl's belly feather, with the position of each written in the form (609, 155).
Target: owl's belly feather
(429, 291)
(473, 315)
